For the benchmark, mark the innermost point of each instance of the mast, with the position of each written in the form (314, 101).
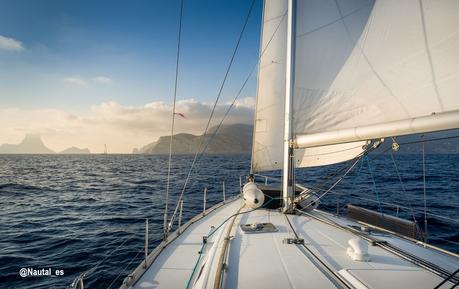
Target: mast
(288, 164)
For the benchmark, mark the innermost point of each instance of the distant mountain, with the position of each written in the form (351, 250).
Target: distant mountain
(31, 144)
(230, 139)
(237, 139)
(75, 151)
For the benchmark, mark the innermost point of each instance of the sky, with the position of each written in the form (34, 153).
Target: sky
(88, 73)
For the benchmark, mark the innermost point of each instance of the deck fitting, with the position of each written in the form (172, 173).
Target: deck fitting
(297, 241)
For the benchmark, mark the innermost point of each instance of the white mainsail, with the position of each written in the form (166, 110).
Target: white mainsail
(357, 63)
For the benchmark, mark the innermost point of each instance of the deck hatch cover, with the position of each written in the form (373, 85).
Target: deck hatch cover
(258, 228)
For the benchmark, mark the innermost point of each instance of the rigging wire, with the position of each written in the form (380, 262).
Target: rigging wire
(90, 270)
(242, 87)
(389, 204)
(400, 179)
(124, 268)
(424, 181)
(354, 181)
(329, 176)
(359, 158)
(236, 48)
(173, 119)
(233, 102)
(373, 182)
(321, 189)
(403, 186)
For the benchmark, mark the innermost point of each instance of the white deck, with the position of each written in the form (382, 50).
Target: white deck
(262, 260)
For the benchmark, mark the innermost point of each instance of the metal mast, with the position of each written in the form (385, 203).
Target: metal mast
(288, 170)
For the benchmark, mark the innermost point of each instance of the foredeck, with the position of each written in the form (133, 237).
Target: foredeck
(263, 260)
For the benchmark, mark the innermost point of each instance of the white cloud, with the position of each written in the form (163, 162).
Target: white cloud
(103, 80)
(121, 127)
(11, 44)
(245, 102)
(75, 80)
(155, 117)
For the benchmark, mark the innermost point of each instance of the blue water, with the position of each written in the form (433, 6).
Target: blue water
(73, 213)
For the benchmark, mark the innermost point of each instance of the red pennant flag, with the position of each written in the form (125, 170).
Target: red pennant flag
(180, 114)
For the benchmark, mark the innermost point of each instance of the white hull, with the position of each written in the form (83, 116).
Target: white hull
(265, 260)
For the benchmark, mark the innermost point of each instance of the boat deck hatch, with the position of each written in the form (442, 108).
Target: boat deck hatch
(258, 228)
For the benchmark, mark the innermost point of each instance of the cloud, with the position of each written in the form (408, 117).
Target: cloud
(103, 80)
(10, 44)
(121, 127)
(248, 102)
(75, 80)
(155, 117)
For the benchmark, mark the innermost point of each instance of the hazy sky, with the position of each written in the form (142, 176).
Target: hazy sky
(86, 73)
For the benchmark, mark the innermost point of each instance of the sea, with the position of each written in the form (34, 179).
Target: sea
(62, 215)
